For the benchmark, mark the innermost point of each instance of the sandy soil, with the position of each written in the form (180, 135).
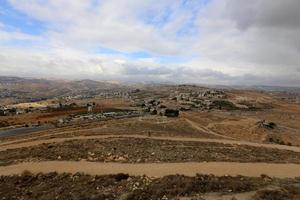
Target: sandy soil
(158, 169)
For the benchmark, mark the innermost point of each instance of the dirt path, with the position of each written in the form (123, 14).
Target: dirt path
(57, 140)
(195, 126)
(158, 169)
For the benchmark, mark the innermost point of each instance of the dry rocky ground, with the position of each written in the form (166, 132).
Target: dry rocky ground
(122, 186)
(158, 126)
(234, 125)
(132, 150)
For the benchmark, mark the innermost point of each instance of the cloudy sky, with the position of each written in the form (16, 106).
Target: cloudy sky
(193, 41)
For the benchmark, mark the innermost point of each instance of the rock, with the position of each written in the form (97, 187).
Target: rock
(266, 124)
(110, 158)
(50, 146)
(129, 179)
(89, 158)
(135, 186)
(121, 158)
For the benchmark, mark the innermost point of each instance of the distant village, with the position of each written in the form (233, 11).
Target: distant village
(58, 105)
(142, 102)
(177, 101)
(182, 101)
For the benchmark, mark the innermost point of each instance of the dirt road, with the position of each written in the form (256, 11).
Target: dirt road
(4, 147)
(158, 169)
(197, 127)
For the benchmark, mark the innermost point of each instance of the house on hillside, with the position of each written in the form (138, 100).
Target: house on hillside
(168, 112)
(90, 107)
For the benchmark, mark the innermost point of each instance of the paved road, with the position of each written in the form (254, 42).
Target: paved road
(23, 130)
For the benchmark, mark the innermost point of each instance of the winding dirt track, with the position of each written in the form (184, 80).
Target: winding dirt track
(4, 147)
(195, 126)
(158, 169)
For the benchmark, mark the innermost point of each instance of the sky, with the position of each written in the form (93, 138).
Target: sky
(227, 42)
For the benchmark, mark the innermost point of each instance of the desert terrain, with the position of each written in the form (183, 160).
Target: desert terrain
(90, 140)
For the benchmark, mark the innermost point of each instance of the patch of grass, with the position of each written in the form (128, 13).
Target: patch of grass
(223, 105)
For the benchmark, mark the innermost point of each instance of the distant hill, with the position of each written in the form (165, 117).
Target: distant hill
(269, 88)
(265, 88)
(278, 88)
(35, 89)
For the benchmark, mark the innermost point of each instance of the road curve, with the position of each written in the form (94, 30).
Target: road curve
(195, 126)
(157, 169)
(4, 147)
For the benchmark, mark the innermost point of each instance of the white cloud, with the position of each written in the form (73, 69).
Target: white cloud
(226, 41)
(236, 34)
(112, 23)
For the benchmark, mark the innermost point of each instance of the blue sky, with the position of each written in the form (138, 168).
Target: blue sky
(196, 41)
(15, 20)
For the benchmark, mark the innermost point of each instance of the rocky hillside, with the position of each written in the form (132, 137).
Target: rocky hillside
(35, 89)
